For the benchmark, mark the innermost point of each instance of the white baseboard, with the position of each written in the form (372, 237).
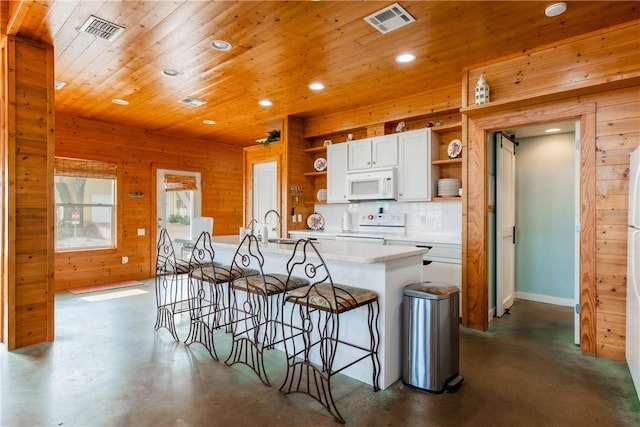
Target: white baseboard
(492, 314)
(566, 302)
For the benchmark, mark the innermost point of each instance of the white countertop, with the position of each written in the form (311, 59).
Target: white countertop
(362, 253)
(418, 238)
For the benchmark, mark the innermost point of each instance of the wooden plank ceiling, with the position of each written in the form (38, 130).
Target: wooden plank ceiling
(278, 49)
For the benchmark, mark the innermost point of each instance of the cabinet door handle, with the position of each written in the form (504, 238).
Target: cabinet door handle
(425, 262)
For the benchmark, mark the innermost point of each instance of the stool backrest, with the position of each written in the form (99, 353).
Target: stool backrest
(202, 254)
(165, 255)
(307, 262)
(248, 255)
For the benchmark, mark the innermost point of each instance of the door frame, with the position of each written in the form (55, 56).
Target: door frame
(251, 157)
(154, 204)
(475, 208)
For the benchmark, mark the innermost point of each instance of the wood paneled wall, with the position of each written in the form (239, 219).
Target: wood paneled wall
(137, 154)
(606, 59)
(431, 102)
(27, 144)
(539, 87)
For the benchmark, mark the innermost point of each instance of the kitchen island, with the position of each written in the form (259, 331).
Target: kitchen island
(383, 269)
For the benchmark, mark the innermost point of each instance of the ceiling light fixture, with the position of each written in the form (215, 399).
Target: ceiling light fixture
(118, 101)
(316, 86)
(552, 130)
(405, 57)
(221, 45)
(208, 122)
(170, 72)
(555, 9)
(265, 103)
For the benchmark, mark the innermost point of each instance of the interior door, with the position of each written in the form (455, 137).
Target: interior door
(505, 224)
(178, 201)
(265, 194)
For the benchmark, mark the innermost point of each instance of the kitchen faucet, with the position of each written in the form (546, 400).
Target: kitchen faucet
(267, 214)
(251, 223)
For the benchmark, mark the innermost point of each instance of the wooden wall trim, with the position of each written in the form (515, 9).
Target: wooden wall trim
(475, 267)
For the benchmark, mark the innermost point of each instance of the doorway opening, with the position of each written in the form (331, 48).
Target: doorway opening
(535, 247)
(178, 202)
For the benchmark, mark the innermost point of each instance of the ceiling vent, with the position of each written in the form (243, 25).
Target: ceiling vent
(390, 18)
(101, 28)
(58, 84)
(190, 100)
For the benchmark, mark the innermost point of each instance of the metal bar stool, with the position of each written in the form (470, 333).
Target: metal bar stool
(314, 330)
(255, 307)
(170, 280)
(208, 294)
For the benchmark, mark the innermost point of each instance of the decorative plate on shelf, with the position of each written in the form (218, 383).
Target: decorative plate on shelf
(315, 221)
(322, 195)
(454, 149)
(320, 164)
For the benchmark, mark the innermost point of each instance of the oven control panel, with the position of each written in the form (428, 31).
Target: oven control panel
(382, 219)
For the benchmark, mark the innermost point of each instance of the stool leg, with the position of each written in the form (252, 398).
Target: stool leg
(374, 313)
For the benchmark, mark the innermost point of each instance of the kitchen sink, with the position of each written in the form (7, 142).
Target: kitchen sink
(283, 241)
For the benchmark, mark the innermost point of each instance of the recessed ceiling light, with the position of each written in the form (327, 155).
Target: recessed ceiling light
(209, 122)
(265, 103)
(120, 101)
(170, 72)
(555, 9)
(221, 45)
(552, 130)
(316, 86)
(405, 57)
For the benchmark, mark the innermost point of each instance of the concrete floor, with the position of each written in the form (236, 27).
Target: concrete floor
(108, 367)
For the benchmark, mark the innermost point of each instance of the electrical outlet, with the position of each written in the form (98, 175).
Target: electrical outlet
(299, 217)
(141, 231)
(293, 218)
(125, 259)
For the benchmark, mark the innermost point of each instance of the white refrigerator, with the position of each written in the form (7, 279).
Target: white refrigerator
(633, 272)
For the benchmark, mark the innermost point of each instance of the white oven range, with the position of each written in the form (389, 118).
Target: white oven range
(374, 228)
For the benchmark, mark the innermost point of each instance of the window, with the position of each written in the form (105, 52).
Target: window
(85, 192)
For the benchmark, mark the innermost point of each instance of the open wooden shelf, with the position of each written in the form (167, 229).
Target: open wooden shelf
(315, 173)
(449, 127)
(315, 150)
(457, 160)
(445, 199)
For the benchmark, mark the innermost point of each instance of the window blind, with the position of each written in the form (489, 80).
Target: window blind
(179, 182)
(66, 166)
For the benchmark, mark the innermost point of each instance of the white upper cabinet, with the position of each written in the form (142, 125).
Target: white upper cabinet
(377, 152)
(337, 155)
(415, 180)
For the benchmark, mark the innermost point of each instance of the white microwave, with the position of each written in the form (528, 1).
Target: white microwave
(372, 184)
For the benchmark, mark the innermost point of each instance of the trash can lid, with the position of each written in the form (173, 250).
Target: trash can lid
(431, 290)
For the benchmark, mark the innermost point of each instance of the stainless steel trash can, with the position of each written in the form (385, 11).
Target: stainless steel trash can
(431, 337)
